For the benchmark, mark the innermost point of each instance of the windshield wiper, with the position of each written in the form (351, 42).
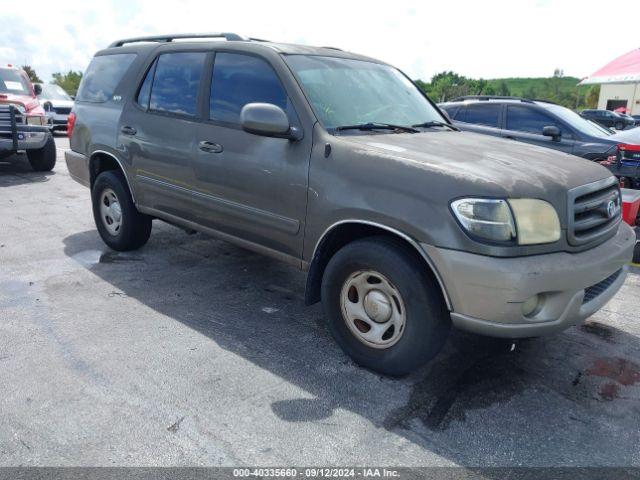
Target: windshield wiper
(435, 123)
(377, 126)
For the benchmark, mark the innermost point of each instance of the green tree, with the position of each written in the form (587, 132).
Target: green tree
(503, 89)
(592, 96)
(69, 81)
(33, 76)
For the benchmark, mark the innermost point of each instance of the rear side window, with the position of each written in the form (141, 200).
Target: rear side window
(525, 119)
(241, 79)
(103, 76)
(144, 94)
(483, 114)
(176, 82)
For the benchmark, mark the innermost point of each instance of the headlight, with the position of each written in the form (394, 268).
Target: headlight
(485, 218)
(536, 221)
(527, 221)
(35, 120)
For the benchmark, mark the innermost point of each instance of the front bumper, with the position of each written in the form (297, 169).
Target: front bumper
(25, 138)
(487, 293)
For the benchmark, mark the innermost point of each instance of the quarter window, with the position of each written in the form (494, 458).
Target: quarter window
(103, 76)
(241, 79)
(176, 82)
(525, 119)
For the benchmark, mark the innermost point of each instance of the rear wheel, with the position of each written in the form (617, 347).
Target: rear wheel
(117, 219)
(382, 308)
(43, 159)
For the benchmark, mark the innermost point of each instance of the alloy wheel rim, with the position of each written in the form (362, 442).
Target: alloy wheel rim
(373, 309)
(110, 211)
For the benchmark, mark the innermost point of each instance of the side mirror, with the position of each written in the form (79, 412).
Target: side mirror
(552, 131)
(37, 88)
(73, 97)
(267, 120)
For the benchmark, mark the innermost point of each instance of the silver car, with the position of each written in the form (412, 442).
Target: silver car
(57, 104)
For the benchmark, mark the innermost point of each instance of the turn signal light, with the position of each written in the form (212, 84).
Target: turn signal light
(71, 121)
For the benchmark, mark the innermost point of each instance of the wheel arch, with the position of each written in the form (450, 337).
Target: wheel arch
(102, 161)
(346, 231)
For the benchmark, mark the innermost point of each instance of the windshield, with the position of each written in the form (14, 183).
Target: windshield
(53, 92)
(352, 92)
(576, 121)
(12, 82)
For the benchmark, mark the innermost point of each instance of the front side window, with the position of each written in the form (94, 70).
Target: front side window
(241, 79)
(483, 114)
(176, 83)
(353, 92)
(103, 76)
(525, 119)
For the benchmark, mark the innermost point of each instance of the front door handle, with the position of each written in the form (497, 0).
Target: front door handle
(210, 147)
(127, 130)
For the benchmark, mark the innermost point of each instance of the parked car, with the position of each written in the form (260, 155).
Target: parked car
(338, 164)
(22, 121)
(56, 103)
(625, 164)
(608, 119)
(532, 121)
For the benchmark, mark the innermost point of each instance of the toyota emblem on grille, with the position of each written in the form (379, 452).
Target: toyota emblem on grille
(612, 209)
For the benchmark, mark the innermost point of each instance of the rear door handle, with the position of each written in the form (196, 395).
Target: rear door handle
(127, 130)
(210, 147)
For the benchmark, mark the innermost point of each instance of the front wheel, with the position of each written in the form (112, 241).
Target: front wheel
(117, 219)
(384, 310)
(619, 126)
(43, 159)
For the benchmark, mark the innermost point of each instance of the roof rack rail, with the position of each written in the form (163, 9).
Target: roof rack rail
(500, 97)
(169, 38)
(490, 97)
(333, 48)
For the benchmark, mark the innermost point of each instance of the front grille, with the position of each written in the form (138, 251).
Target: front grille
(5, 117)
(62, 110)
(594, 211)
(10, 118)
(596, 290)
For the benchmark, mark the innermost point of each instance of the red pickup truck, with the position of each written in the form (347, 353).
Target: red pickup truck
(23, 125)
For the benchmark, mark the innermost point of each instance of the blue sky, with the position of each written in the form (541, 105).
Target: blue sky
(489, 38)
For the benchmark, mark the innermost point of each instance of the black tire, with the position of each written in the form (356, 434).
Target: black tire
(636, 254)
(135, 227)
(427, 321)
(43, 159)
(619, 126)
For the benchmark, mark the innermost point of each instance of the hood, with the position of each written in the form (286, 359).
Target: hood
(493, 165)
(57, 103)
(27, 101)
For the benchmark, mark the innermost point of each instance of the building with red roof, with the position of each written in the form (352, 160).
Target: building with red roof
(619, 83)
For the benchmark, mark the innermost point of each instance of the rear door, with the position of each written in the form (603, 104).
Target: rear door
(158, 130)
(525, 124)
(248, 186)
(482, 118)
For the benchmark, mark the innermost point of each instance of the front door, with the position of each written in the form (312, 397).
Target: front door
(248, 186)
